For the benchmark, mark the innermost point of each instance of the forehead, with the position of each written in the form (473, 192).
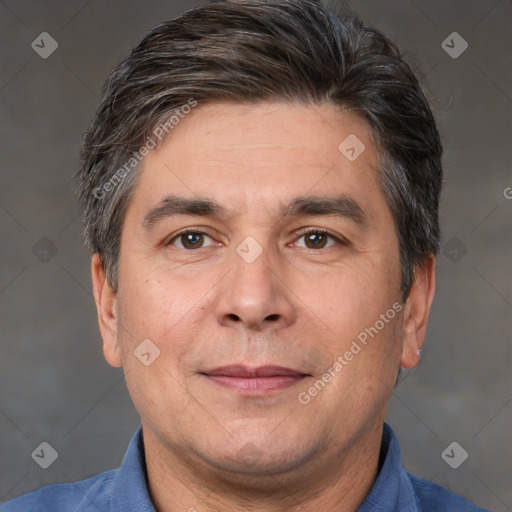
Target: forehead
(250, 156)
(267, 128)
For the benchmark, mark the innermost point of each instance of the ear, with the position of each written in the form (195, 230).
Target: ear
(417, 309)
(106, 304)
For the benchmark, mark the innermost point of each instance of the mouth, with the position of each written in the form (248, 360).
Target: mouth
(260, 380)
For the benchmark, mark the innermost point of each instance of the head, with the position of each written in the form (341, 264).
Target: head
(247, 122)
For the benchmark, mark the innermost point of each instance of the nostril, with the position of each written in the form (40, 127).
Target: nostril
(273, 318)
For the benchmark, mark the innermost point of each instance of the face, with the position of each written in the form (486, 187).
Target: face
(275, 324)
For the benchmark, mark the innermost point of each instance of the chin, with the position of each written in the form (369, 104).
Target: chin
(263, 455)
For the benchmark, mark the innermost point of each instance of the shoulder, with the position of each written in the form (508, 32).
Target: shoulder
(91, 493)
(434, 498)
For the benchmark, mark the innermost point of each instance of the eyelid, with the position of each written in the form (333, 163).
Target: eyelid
(339, 239)
(186, 231)
(301, 232)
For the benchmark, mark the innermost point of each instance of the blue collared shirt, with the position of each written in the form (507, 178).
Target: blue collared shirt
(126, 489)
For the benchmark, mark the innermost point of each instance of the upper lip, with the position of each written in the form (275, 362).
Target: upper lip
(248, 372)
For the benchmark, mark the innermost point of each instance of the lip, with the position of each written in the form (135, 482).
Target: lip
(255, 380)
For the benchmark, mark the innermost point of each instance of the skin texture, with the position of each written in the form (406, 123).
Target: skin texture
(296, 305)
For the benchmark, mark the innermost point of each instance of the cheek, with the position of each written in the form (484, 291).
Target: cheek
(164, 309)
(358, 294)
(152, 302)
(362, 305)
(368, 357)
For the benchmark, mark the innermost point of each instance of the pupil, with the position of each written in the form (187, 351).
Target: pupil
(193, 238)
(316, 239)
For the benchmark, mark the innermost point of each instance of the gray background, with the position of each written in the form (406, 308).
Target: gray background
(56, 386)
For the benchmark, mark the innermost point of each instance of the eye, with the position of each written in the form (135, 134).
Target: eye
(313, 239)
(189, 239)
(318, 239)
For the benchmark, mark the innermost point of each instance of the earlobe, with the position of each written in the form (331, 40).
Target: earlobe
(106, 305)
(417, 309)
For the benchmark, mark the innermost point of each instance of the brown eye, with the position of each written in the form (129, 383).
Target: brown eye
(317, 239)
(189, 240)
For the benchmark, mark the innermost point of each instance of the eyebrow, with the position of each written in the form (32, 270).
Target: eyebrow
(341, 206)
(173, 205)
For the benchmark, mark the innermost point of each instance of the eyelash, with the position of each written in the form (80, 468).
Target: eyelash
(300, 233)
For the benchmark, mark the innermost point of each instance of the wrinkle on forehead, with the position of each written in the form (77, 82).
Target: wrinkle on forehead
(271, 155)
(260, 146)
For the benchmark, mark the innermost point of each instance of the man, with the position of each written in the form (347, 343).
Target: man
(260, 189)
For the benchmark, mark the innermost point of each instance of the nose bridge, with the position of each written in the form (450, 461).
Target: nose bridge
(253, 294)
(252, 266)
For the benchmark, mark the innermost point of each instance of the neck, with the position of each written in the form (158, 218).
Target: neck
(337, 481)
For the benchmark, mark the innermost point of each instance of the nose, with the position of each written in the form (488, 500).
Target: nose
(256, 295)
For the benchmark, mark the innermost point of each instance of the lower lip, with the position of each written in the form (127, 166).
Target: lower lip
(256, 384)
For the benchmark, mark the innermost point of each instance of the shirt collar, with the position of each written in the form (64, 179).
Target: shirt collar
(131, 491)
(391, 492)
